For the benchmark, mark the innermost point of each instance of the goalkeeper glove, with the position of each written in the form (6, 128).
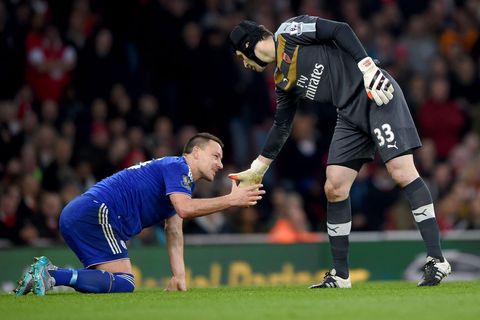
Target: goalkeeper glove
(378, 87)
(252, 176)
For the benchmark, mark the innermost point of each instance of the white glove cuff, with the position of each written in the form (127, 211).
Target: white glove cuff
(259, 167)
(366, 64)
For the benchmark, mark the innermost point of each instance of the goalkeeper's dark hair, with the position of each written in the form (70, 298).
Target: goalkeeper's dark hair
(200, 140)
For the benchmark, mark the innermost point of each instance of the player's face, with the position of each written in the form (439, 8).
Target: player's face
(248, 63)
(210, 160)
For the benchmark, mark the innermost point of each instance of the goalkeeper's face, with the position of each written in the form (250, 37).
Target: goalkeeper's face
(209, 160)
(249, 63)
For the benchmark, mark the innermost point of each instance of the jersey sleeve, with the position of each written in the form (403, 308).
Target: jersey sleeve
(306, 30)
(177, 179)
(282, 124)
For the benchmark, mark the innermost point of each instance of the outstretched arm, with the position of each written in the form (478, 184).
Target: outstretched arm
(282, 125)
(186, 207)
(279, 133)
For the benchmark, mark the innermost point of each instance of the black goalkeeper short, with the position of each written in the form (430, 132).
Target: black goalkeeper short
(363, 127)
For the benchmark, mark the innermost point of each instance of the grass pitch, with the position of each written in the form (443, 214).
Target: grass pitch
(371, 300)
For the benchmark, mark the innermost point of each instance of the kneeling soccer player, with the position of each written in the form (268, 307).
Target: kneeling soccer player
(96, 224)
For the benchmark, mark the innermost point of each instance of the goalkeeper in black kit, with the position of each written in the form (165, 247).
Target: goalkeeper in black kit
(323, 61)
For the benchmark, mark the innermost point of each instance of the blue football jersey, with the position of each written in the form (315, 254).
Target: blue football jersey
(138, 197)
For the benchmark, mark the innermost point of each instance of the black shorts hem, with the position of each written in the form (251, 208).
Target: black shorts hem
(403, 153)
(355, 164)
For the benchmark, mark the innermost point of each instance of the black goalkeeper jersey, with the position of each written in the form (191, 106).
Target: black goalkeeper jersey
(311, 64)
(316, 59)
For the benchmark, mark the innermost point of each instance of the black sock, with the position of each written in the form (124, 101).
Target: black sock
(424, 213)
(339, 223)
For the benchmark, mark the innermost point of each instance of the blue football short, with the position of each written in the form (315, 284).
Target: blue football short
(88, 228)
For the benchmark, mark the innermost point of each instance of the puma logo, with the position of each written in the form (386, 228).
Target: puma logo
(333, 229)
(420, 213)
(394, 145)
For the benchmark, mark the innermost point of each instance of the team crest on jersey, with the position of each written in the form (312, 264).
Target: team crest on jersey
(286, 58)
(296, 28)
(187, 182)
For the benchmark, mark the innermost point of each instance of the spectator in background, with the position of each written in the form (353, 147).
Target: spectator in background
(10, 132)
(98, 69)
(426, 157)
(420, 44)
(59, 172)
(382, 193)
(459, 37)
(162, 136)
(440, 118)
(45, 140)
(45, 220)
(245, 221)
(11, 54)
(149, 110)
(81, 23)
(49, 67)
(137, 152)
(307, 147)
(291, 223)
(10, 223)
(416, 92)
(30, 193)
(49, 114)
(465, 82)
(473, 219)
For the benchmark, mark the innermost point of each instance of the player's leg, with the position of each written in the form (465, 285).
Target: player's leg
(85, 227)
(349, 150)
(339, 215)
(109, 277)
(393, 130)
(403, 171)
(339, 223)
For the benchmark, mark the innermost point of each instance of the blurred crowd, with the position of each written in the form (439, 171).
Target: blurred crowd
(89, 87)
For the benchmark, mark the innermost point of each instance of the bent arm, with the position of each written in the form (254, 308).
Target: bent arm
(343, 36)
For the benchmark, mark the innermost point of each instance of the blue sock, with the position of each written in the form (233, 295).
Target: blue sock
(123, 282)
(94, 281)
(62, 276)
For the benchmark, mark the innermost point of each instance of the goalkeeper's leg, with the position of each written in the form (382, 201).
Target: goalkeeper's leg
(403, 171)
(339, 217)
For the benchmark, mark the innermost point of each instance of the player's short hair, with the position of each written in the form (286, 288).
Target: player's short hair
(200, 140)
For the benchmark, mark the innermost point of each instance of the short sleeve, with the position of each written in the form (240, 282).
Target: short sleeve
(177, 178)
